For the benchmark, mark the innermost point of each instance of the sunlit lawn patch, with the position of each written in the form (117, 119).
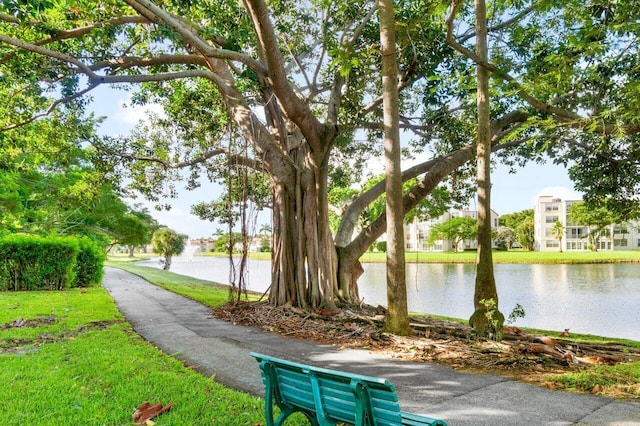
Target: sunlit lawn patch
(89, 367)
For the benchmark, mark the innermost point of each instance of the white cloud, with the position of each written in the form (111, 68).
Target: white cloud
(133, 114)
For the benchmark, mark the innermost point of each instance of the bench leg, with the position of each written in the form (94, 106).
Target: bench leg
(269, 402)
(285, 414)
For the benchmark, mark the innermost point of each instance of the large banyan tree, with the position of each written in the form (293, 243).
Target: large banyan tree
(300, 83)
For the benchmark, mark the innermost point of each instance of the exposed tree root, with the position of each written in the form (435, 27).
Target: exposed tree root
(519, 355)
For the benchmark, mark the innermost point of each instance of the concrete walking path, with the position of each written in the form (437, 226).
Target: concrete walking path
(184, 329)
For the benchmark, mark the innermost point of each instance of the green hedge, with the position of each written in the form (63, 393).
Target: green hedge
(30, 262)
(89, 263)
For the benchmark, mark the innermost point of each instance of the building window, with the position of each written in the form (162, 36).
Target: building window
(551, 219)
(576, 232)
(604, 245)
(620, 242)
(551, 244)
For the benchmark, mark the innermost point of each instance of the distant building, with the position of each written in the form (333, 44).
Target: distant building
(202, 245)
(417, 232)
(256, 245)
(549, 210)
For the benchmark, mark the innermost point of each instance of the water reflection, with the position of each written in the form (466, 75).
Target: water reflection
(597, 299)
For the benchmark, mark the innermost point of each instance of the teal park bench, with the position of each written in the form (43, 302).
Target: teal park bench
(329, 397)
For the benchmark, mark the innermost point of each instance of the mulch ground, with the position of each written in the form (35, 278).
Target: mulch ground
(522, 356)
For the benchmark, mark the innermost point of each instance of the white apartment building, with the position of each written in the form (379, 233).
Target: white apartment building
(549, 210)
(416, 233)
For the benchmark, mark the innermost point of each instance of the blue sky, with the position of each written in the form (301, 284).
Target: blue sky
(510, 192)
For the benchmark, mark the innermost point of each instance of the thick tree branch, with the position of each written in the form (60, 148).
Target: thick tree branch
(156, 14)
(163, 76)
(127, 62)
(9, 18)
(296, 109)
(203, 158)
(110, 79)
(62, 57)
(78, 32)
(439, 167)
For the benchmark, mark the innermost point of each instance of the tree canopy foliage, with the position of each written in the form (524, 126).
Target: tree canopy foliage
(300, 83)
(522, 224)
(455, 230)
(49, 184)
(598, 221)
(167, 243)
(513, 220)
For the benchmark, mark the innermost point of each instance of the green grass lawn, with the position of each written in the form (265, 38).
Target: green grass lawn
(511, 256)
(77, 362)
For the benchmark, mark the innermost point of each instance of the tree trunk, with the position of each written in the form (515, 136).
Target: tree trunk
(304, 259)
(397, 320)
(486, 320)
(304, 262)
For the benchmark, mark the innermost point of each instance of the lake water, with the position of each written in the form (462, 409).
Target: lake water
(601, 299)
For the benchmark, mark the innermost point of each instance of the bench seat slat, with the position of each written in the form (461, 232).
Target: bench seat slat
(410, 419)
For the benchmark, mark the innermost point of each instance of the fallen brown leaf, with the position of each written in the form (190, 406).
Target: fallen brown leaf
(146, 411)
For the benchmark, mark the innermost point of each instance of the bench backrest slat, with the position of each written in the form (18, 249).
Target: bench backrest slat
(336, 389)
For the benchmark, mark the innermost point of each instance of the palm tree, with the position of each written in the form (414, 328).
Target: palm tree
(558, 232)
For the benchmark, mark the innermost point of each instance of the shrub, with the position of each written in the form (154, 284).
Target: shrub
(29, 262)
(381, 246)
(89, 263)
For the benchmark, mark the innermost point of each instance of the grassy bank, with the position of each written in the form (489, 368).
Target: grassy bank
(207, 292)
(76, 361)
(514, 256)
